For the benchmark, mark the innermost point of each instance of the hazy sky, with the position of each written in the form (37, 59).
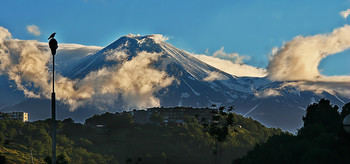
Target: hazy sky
(247, 27)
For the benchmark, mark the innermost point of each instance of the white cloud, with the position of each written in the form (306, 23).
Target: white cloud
(333, 85)
(159, 38)
(215, 76)
(33, 29)
(233, 57)
(232, 68)
(23, 61)
(134, 82)
(273, 52)
(116, 55)
(70, 55)
(267, 93)
(231, 63)
(298, 61)
(345, 13)
(4, 34)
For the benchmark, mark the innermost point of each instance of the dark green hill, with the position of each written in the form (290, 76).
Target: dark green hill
(321, 140)
(114, 137)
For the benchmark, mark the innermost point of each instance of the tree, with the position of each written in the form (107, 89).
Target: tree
(68, 121)
(11, 133)
(2, 159)
(139, 160)
(231, 108)
(219, 130)
(318, 141)
(165, 157)
(128, 161)
(112, 122)
(48, 159)
(157, 118)
(2, 138)
(322, 114)
(61, 159)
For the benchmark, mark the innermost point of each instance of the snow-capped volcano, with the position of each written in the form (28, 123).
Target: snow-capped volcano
(195, 82)
(129, 46)
(145, 71)
(198, 84)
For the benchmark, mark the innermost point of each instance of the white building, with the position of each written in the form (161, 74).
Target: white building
(23, 116)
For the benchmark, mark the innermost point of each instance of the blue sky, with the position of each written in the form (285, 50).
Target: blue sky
(247, 27)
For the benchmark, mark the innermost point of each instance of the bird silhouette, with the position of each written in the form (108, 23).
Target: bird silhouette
(52, 36)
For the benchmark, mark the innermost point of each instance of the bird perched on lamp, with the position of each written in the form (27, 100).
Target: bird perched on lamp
(52, 36)
(53, 43)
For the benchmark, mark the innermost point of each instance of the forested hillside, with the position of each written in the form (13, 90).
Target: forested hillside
(115, 138)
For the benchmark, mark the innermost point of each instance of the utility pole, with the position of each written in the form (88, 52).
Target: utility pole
(53, 46)
(31, 155)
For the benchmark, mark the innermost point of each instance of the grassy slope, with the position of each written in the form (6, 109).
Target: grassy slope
(17, 154)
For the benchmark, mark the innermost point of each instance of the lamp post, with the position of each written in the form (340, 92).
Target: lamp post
(53, 46)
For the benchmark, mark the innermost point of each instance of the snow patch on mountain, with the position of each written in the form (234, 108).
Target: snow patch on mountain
(185, 95)
(193, 91)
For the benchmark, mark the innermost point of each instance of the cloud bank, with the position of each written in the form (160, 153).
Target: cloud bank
(23, 61)
(34, 30)
(215, 76)
(267, 93)
(232, 63)
(298, 60)
(133, 81)
(295, 63)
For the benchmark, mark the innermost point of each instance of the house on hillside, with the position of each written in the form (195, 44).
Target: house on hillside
(176, 116)
(22, 116)
(141, 116)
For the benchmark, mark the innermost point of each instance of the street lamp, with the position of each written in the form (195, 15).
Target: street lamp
(53, 46)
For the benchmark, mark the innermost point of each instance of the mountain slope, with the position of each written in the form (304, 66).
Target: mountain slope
(197, 84)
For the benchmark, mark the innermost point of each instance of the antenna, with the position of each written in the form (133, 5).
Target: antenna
(31, 154)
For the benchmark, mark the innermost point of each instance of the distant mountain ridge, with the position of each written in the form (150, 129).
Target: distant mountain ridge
(198, 84)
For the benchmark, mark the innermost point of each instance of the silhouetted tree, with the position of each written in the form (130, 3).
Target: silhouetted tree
(231, 108)
(68, 121)
(128, 161)
(318, 141)
(139, 160)
(2, 159)
(322, 115)
(2, 138)
(48, 160)
(60, 159)
(219, 130)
